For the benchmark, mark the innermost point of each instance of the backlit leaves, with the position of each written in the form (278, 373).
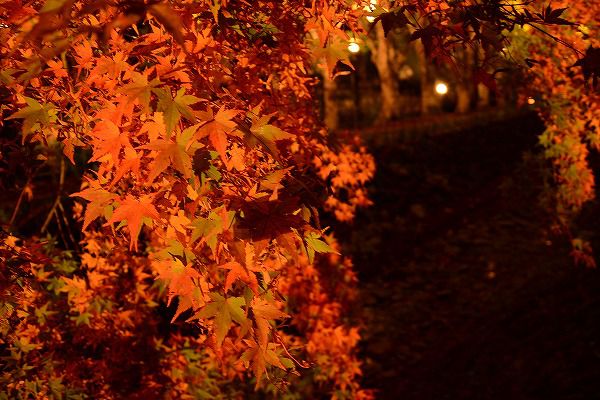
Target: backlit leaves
(140, 89)
(35, 115)
(171, 153)
(160, 100)
(99, 199)
(266, 135)
(171, 21)
(315, 245)
(135, 212)
(175, 107)
(217, 128)
(223, 311)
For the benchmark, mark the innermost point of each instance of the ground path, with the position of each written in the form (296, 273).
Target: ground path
(465, 292)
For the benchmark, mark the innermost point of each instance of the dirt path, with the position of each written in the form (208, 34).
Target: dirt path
(466, 294)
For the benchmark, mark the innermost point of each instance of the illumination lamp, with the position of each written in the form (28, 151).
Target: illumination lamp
(353, 47)
(441, 88)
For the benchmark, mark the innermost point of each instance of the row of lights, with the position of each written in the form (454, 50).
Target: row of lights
(441, 88)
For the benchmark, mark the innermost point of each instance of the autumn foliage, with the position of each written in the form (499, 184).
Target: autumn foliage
(202, 269)
(564, 78)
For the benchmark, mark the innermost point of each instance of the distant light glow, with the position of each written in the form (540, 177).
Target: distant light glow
(370, 18)
(441, 88)
(353, 47)
(406, 72)
(530, 101)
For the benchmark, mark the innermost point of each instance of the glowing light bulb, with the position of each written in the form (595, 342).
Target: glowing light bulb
(530, 101)
(353, 47)
(441, 88)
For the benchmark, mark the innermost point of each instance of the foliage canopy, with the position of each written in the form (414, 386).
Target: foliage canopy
(202, 260)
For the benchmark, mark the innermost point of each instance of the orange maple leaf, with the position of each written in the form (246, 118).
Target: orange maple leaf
(107, 139)
(134, 211)
(237, 271)
(184, 283)
(98, 200)
(217, 128)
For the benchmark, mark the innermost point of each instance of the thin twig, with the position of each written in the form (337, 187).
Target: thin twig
(61, 181)
(556, 39)
(67, 225)
(60, 229)
(19, 201)
(301, 364)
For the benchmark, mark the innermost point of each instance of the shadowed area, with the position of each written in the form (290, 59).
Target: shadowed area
(466, 292)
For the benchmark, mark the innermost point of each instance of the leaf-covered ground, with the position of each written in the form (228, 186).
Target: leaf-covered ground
(465, 291)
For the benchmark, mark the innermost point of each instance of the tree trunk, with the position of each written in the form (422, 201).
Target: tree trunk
(390, 98)
(483, 92)
(429, 101)
(465, 90)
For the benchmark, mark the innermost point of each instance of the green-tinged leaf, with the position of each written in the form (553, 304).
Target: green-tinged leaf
(169, 154)
(53, 5)
(174, 108)
(224, 311)
(266, 135)
(35, 115)
(140, 89)
(314, 244)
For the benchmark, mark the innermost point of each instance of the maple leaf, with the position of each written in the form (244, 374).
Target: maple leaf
(84, 54)
(217, 128)
(268, 219)
(394, 19)
(224, 311)
(590, 65)
(238, 271)
(207, 229)
(267, 310)
(154, 127)
(273, 180)
(217, 222)
(130, 163)
(181, 280)
(264, 312)
(98, 199)
(335, 50)
(134, 211)
(552, 17)
(174, 108)
(35, 115)
(259, 358)
(202, 40)
(169, 19)
(267, 135)
(314, 244)
(140, 89)
(107, 139)
(171, 153)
